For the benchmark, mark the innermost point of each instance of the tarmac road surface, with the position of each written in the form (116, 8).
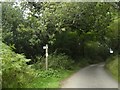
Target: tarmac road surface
(93, 76)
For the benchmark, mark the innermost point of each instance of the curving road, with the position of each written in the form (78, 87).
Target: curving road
(93, 76)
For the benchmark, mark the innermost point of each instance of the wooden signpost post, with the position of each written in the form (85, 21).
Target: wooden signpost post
(46, 54)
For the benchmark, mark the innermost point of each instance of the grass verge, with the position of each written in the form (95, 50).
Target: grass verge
(113, 66)
(53, 78)
(52, 81)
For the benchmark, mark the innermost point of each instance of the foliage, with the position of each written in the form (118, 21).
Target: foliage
(49, 73)
(84, 32)
(96, 51)
(113, 35)
(49, 80)
(89, 20)
(84, 62)
(11, 18)
(49, 22)
(113, 66)
(67, 42)
(60, 61)
(15, 72)
(55, 61)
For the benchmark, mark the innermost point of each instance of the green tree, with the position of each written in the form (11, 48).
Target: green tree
(78, 23)
(11, 18)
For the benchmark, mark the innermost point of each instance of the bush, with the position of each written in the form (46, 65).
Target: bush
(96, 51)
(49, 73)
(60, 61)
(15, 72)
(55, 61)
(112, 66)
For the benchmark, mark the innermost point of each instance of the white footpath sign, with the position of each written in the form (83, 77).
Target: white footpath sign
(111, 51)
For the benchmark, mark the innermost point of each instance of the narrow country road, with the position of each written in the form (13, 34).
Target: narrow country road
(93, 76)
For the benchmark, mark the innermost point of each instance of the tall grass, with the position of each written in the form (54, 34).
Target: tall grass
(113, 66)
